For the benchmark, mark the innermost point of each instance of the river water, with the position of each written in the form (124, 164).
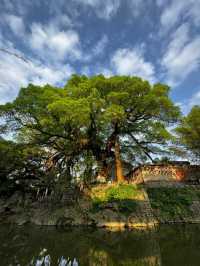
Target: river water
(31, 245)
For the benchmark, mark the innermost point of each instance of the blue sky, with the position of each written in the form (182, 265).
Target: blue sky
(158, 40)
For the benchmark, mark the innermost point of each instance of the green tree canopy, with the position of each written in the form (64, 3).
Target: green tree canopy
(111, 119)
(189, 131)
(20, 166)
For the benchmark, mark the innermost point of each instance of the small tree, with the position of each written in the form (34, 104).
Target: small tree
(189, 131)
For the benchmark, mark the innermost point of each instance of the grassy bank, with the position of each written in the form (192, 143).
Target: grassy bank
(123, 198)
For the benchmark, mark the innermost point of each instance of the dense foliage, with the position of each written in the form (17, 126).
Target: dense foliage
(20, 165)
(189, 131)
(171, 202)
(92, 123)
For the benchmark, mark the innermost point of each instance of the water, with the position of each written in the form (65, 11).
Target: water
(170, 245)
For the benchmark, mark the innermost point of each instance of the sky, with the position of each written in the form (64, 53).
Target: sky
(47, 41)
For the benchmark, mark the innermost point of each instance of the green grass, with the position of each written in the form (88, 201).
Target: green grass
(123, 196)
(171, 202)
(121, 192)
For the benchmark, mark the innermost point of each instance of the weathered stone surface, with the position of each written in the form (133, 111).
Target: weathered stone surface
(14, 200)
(21, 220)
(80, 213)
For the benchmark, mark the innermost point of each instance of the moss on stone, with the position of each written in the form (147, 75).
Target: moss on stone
(171, 202)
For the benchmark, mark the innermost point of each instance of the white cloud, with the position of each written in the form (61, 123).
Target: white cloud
(56, 45)
(62, 20)
(178, 10)
(97, 50)
(18, 7)
(8, 5)
(53, 43)
(186, 105)
(15, 23)
(100, 46)
(182, 55)
(172, 13)
(132, 62)
(104, 9)
(195, 99)
(161, 3)
(15, 73)
(139, 6)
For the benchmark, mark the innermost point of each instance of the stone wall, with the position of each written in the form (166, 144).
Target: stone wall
(167, 173)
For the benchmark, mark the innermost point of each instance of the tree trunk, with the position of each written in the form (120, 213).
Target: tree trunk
(118, 163)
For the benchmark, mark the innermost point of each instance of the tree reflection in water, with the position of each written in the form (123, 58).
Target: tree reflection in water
(47, 246)
(46, 261)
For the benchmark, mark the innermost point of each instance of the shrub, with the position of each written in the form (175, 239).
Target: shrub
(171, 202)
(123, 196)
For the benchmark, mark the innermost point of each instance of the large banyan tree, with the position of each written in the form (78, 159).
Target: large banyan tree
(93, 122)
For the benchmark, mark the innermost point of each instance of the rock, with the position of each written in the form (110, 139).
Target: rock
(108, 218)
(65, 221)
(22, 220)
(111, 205)
(15, 199)
(69, 195)
(76, 217)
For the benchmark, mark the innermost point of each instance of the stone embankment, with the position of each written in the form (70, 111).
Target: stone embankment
(151, 204)
(174, 202)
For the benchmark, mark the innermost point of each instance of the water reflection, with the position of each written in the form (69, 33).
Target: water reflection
(47, 246)
(46, 261)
